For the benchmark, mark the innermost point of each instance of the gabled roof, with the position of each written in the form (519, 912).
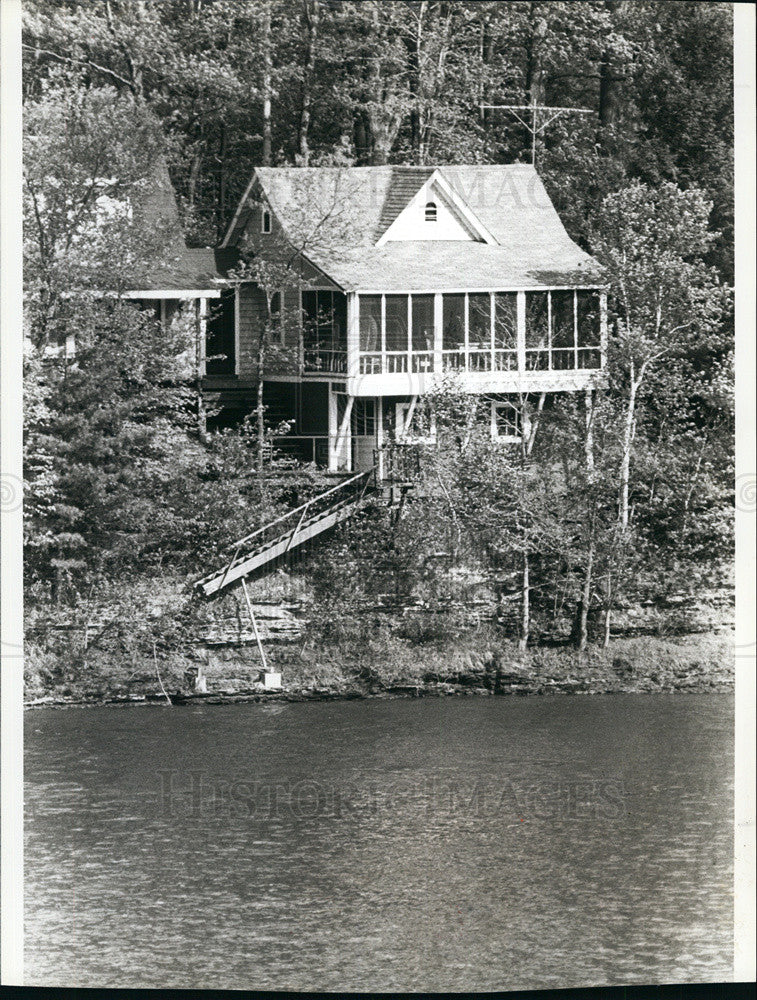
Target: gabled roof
(336, 216)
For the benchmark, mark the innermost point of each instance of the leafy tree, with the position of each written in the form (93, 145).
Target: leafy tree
(97, 212)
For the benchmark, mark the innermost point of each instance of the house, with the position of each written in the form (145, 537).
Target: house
(376, 285)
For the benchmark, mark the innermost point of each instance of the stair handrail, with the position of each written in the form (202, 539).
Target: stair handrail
(302, 509)
(297, 510)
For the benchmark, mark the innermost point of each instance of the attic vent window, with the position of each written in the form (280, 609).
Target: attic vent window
(430, 211)
(265, 224)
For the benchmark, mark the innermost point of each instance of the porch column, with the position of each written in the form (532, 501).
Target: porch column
(353, 334)
(202, 331)
(333, 429)
(521, 330)
(438, 332)
(603, 327)
(380, 435)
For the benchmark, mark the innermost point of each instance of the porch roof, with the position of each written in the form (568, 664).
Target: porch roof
(459, 267)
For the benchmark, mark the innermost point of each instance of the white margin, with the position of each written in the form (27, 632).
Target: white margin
(11, 533)
(744, 777)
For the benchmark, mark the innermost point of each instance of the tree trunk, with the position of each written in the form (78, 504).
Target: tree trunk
(583, 621)
(260, 415)
(525, 607)
(362, 139)
(625, 464)
(609, 79)
(311, 16)
(194, 174)
(589, 438)
(267, 72)
(608, 615)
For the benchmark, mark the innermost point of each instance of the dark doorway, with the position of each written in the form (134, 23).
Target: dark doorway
(220, 341)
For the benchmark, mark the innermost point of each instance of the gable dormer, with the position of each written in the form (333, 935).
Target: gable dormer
(436, 212)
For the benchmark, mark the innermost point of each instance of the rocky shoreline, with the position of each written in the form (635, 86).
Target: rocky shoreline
(685, 664)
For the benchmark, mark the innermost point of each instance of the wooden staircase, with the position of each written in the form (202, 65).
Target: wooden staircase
(276, 538)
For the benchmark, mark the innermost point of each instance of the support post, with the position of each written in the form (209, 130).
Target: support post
(254, 625)
(521, 330)
(438, 332)
(380, 436)
(333, 428)
(353, 335)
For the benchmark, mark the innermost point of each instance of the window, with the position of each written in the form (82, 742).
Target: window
(265, 221)
(430, 211)
(277, 327)
(364, 417)
(506, 423)
(414, 423)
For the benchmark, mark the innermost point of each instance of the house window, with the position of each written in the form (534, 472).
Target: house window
(277, 327)
(430, 211)
(506, 422)
(364, 417)
(414, 423)
(265, 221)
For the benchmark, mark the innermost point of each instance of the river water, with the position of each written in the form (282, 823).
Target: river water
(419, 844)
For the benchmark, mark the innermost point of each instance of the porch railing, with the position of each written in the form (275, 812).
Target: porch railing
(480, 359)
(325, 360)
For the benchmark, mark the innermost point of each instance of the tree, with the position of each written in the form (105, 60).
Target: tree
(98, 212)
(667, 306)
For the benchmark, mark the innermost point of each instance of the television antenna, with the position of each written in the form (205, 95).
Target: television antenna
(535, 127)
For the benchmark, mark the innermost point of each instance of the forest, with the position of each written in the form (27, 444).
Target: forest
(623, 505)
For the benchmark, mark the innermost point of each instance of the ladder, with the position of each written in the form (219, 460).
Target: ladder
(276, 538)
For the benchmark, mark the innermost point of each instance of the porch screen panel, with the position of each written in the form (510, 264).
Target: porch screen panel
(340, 321)
(423, 323)
(506, 331)
(479, 332)
(396, 323)
(310, 319)
(325, 319)
(588, 330)
(563, 338)
(537, 332)
(479, 321)
(453, 322)
(370, 323)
